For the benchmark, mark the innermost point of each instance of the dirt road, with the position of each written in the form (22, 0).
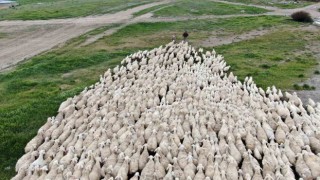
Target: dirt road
(28, 38)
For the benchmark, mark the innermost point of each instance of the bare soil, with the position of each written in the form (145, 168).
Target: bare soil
(29, 38)
(222, 40)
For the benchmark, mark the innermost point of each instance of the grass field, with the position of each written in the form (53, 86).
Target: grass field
(33, 91)
(272, 59)
(155, 34)
(205, 7)
(288, 5)
(48, 9)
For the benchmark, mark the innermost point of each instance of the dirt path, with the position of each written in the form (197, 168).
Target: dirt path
(312, 9)
(29, 38)
(222, 40)
(270, 8)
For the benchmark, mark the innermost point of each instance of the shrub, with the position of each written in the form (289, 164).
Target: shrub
(301, 16)
(316, 72)
(303, 87)
(265, 66)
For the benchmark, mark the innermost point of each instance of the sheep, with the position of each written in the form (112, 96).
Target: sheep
(182, 157)
(315, 144)
(280, 135)
(209, 169)
(302, 168)
(159, 169)
(96, 170)
(134, 161)
(147, 171)
(190, 168)
(40, 162)
(124, 169)
(313, 162)
(232, 169)
(200, 174)
(182, 106)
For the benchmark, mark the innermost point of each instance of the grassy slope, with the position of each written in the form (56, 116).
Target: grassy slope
(205, 7)
(48, 9)
(33, 91)
(271, 59)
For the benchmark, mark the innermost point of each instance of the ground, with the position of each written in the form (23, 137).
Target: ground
(256, 40)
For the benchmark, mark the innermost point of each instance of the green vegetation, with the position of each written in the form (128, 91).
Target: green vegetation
(155, 34)
(288, 5)
(316, 72)
(303, 87)
(48, 9)
(302, 16)
(293, 5)
(270, 59)
(205, 7)
(3, 35)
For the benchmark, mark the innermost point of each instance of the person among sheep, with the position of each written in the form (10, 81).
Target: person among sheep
(185, 35)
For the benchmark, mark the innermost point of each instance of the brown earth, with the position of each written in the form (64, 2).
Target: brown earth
(29, 38)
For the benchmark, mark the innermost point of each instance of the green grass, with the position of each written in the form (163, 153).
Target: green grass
(3, 35)
(276, 4)
(271, 59)
(303, 87)
(158, 33)
(48, 9)
(205, 7)
(293, 5)
(34, 90)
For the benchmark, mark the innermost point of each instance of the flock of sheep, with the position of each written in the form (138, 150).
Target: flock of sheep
(175, 113)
